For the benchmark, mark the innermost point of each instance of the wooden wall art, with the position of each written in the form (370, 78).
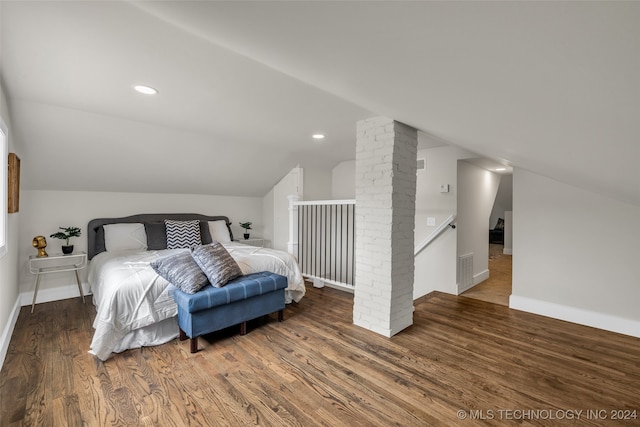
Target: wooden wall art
(14, 183)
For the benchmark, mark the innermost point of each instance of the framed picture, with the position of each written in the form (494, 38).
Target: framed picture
(14, 183)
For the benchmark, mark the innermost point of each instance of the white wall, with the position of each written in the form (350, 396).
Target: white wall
(442, 167)
(477, 189)
(508, 233)
(308, 183)
(267, 217)
(435, 266)
(292, 183)
(42, 212)
(343, 181)
(317, 183)
(504, 200)
(577, 254)
(9, 306)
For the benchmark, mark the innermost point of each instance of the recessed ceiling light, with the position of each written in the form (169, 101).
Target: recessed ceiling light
(318, 136)
(146, 90)
(500, 169)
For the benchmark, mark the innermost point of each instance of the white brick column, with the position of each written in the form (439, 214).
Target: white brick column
(386, 154)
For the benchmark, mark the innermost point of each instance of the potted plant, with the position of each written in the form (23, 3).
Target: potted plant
(66, 234)
(247, 227)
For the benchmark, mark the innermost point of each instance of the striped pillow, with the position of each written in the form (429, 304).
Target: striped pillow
(182, 234)
(216, 263)
(181, 271)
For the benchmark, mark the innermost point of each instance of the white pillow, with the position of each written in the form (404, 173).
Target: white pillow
(119, 237)
(219, 231)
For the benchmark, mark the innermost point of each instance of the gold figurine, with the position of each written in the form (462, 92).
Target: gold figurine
(39, 242)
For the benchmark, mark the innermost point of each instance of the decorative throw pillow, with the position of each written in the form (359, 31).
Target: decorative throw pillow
(181, 271)
(217, 264)
(182, 234)
(219, 231)
(120, 237)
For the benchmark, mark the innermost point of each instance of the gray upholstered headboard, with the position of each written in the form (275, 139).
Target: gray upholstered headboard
(95, 231)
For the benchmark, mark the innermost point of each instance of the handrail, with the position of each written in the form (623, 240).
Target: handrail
(435, 233)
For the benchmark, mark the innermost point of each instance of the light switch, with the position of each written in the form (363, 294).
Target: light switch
(431, 221)
(444, 188)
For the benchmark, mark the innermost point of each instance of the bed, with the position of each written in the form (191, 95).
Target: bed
(134, 305)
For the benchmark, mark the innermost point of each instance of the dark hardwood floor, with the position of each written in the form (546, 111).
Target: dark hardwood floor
(463, 362)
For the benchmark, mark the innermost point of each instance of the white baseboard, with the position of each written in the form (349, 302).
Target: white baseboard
(576, 315)
(5, 339)
(348, 289)
(507, 251)
(480, 277)
(53, 294)
(477, 279)
(319, 282)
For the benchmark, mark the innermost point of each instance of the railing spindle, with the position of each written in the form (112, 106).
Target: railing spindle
(326, 241)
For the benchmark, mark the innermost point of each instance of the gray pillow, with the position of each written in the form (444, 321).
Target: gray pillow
(181, 271)
(217, 264)
(205, 234)
(182, 234)
(156, 235)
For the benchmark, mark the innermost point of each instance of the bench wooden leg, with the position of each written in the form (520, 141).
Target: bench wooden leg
(194, 341)
(243, 328)
(280, 315)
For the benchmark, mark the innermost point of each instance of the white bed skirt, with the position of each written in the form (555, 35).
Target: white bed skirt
(155, 334)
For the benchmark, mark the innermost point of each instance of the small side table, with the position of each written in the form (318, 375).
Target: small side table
(253, 241)
(57, 263)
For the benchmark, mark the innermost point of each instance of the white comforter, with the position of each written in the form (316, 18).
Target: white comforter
(130, 296)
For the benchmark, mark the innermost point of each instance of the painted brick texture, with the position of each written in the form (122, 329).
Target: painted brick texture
(386, 153)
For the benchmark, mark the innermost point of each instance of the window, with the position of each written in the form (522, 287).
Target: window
(4, 196)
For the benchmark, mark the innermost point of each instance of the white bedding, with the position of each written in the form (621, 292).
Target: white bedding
(135, 307)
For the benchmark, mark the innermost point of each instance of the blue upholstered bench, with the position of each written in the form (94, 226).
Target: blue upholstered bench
(242, 299)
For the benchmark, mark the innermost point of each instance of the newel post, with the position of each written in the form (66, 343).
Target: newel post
(293, 225)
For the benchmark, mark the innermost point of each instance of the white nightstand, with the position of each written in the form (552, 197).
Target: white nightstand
(253, 241)
(57, 263)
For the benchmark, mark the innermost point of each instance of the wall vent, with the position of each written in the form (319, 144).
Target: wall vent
(421, 164)
(465, 272)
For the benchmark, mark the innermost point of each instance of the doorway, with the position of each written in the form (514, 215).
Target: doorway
(497, 288)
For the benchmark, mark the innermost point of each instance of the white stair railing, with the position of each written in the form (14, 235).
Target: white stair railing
(322, 237)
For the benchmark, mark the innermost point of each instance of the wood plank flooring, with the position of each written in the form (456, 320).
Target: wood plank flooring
(497, 288)
(317, 369)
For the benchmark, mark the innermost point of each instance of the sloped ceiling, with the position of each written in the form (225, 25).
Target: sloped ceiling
(547, 86)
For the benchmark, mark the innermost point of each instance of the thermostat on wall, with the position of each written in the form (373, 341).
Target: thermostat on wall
(444, 188)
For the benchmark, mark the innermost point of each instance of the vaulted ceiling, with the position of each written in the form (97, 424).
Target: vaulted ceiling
(551, 87)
